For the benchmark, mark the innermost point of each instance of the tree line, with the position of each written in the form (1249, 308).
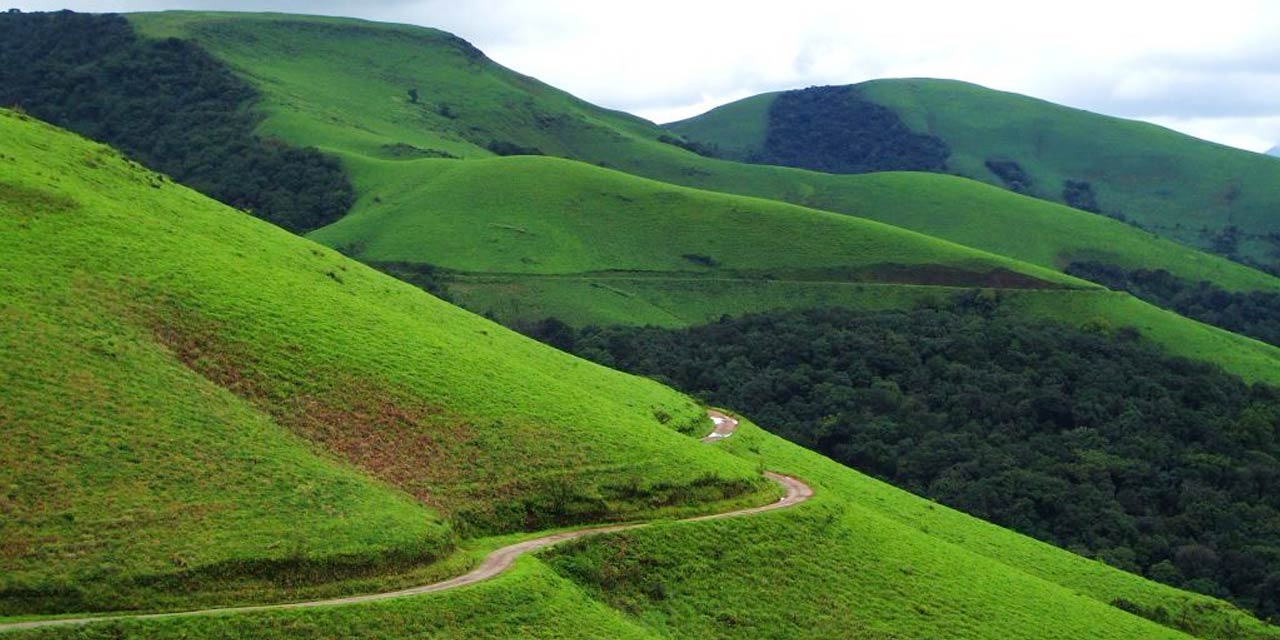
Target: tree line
(1252, 313)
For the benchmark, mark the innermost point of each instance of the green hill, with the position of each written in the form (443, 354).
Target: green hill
(200, 407)
(547, 216)
(193, 399)
(343, 85)
(528, 238)
(1196, 192)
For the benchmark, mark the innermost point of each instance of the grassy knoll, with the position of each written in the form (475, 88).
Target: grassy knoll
(533, 215)
(194, 400)
(342, 85)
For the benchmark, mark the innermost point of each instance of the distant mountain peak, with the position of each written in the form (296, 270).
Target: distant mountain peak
(1274, 151)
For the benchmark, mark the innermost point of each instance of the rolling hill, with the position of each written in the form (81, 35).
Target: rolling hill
(1196, 192)
(200, 407)
(343, 86)
(526, 238)
(195, 399)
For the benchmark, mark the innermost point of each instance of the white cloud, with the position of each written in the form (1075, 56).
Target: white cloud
(1210, 69)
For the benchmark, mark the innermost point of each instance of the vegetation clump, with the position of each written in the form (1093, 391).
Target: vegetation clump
(1079, 194)
(833, 129)
(705, 150)
(171, 106)
(1011, 174)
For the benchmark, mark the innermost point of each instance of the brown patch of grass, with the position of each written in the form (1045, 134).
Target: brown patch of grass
(395, 437)
(942, 275)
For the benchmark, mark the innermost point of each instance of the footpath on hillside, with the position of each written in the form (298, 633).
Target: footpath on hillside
(493, 564)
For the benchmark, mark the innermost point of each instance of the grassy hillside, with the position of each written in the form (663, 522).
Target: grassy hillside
(533, 215)
(863, 540)
(1183, 188)
(861, 560)
(342, 85)
(529, 238)
(194, 399)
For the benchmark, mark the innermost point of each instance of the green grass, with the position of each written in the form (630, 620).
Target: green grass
(503, 221)
(193, 400)
(860, 560)
(536, 237)
(889, 564)
(342, 85)
(670, 301)
(535, 215)
(1169, 182)
(174, 357)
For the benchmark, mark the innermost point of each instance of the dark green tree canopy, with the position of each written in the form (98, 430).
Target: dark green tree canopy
(169, 105)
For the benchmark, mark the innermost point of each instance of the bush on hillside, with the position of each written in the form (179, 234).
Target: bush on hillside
(1011, 174)
(1079, 194)
(705, 150)
(506, 148)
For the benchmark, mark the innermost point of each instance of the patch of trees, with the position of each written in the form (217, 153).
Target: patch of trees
(1079, 194)
(1253, 313)
(1011, 174)
(836, 130)
(169, 105)
(506, 148)
(1092, 440)
(701, 260)
(705, 150)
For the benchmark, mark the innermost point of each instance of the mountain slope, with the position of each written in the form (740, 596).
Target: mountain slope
(194, 398)
(152, 325)
(343, 85)
(547, 216)
(1183, 188)
(528, 238)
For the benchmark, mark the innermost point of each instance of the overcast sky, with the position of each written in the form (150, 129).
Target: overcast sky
(1211, 69)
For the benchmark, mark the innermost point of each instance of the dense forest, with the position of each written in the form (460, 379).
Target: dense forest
(834, 129)
(1092, 440)
(1254, 313)
(169, 105)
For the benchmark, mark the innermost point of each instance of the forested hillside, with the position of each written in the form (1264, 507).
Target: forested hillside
(1091, 440)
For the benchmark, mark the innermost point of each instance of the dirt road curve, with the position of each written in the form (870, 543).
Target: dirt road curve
(725, 426)
(492, 565)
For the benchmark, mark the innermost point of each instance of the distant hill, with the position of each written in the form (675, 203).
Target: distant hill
(1274, 151)
(1196, 192)
(469, 107)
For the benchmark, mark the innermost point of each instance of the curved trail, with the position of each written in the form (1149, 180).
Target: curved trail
(493, 564)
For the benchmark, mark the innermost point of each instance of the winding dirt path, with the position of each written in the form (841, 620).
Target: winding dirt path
(493, 564)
